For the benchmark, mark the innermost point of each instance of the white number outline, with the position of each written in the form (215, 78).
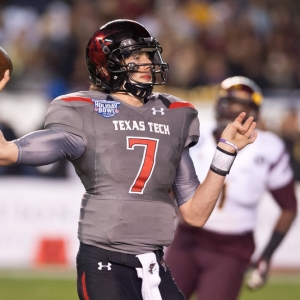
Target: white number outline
(144, 162)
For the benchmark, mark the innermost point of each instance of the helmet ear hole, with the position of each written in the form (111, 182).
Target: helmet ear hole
(101, 71)
(110, 64)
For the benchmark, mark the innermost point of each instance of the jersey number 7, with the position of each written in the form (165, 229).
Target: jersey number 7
(147, 164)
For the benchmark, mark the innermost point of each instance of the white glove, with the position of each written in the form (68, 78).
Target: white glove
(258, 276)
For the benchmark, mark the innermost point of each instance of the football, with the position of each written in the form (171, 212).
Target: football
(5, 63)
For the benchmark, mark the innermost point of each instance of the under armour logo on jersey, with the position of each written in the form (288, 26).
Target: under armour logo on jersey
(161, 111)
(101, 266)
(151, 268)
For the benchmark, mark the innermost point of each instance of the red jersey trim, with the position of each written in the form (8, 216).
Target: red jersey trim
(83, 283)
(180, 105)
(71, 99)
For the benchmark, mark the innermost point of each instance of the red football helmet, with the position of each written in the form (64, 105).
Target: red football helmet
(237, 94)
(106, 52)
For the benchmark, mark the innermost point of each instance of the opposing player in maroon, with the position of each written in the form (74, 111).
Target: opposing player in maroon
(130, 148)
(222, 249)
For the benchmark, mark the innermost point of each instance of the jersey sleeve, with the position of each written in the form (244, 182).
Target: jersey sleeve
(280, 172)
(186, 181)
(194, 133)
(286, 196)
(62, 116)
(191, 116)
(48, 146)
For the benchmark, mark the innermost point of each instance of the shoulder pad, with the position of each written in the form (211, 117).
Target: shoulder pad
(171, 101)
(86, 96)
(74, 97)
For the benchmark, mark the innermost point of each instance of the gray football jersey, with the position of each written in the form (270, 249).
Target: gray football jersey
(128, 167)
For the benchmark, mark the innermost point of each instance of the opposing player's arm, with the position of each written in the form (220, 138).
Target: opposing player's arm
(198, 208)
(286, 199)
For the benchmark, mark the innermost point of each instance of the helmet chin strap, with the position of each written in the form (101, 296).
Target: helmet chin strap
(138, 90)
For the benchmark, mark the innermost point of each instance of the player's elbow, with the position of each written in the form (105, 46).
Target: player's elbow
(293, 214)
(194, 215)
(196, 221)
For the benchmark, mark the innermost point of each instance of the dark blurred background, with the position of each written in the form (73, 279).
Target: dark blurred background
(204, 42)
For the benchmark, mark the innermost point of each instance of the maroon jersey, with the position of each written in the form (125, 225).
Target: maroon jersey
(129, 164)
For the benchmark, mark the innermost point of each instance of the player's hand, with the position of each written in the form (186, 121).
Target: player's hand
(3, 141)
(4, 80)
(238, 133)
(258, 275)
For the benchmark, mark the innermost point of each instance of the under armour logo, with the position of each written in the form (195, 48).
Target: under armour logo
(151, 268)
(108, 266)
(154, 111)
(127, 42)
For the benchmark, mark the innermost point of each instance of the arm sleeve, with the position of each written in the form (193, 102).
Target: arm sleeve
(286, 196)
(280, 172)
(194, 133)
(48, 146)
(186, 181)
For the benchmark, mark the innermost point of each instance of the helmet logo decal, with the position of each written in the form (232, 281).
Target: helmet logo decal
(127, 42)
(106, 108)
(161, 111)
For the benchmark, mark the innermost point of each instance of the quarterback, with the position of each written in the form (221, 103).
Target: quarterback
(220, 252)
(130, 148)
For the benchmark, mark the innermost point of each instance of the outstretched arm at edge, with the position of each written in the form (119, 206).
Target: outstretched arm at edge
(41, 148)
(4, 80)
(8, 152)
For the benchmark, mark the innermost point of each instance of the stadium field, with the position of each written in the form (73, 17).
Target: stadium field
(61, 285)
(281, 286)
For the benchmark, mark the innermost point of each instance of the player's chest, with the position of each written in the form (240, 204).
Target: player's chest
(117, 121)
(138, 136)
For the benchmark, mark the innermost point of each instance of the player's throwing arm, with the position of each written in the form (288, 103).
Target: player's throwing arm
(6, 68)
(8, 150)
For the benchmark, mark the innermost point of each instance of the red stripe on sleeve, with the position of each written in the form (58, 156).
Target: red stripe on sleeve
(83, 283)
(71, 99)
(180, 105)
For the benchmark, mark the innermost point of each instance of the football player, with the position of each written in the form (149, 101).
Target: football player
(130, 147)
(211, 261)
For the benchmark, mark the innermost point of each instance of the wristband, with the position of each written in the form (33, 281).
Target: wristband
(222, 161)
(229, 143)
(275, 240)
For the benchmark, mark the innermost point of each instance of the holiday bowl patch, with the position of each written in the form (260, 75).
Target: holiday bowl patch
(106, 108)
